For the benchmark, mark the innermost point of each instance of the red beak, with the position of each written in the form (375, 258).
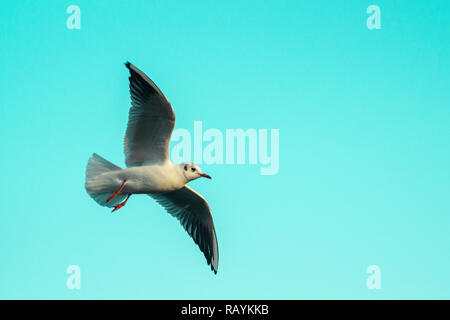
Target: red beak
(204, 175)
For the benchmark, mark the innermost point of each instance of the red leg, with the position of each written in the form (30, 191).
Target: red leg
(117, 192)
(120, 205)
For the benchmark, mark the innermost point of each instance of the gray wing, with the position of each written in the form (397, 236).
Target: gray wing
(150, 122)
(194, 214)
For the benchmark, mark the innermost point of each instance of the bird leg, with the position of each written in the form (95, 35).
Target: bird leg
(120, 205)
(117, 192)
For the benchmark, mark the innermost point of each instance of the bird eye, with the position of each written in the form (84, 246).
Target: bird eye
(185, 167)
(193, 169)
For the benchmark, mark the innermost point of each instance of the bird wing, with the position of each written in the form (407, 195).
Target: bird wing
(150, 122)
(194, 214)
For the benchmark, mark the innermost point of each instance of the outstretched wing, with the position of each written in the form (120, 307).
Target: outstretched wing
(194, 214)
(150, 122)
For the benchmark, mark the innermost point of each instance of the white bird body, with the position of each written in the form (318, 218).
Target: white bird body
(150, 171)
(156, 178)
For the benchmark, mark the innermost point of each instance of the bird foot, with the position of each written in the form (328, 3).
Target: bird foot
(120, 205)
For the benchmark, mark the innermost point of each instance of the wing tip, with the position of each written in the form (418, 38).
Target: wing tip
(129, 65)
(214, 262)
(214, 269)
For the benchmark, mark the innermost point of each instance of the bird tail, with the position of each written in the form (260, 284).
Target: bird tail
(98, 182)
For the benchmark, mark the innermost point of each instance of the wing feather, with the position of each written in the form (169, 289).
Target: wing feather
(151, 121)
(194, 214)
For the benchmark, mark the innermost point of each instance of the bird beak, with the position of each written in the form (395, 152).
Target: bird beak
(204, 175)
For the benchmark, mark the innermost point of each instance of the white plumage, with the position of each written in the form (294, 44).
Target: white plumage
(149, 169)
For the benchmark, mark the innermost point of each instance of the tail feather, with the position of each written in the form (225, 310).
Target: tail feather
(98, 187)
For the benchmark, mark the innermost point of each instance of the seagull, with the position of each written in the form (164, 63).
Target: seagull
(149, 170)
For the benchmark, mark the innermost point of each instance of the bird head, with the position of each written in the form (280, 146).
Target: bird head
(192, 171)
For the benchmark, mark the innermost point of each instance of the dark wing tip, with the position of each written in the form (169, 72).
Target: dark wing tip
(128, 65)
(213, 264)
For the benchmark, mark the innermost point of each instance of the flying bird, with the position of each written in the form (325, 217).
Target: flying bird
(149, 170)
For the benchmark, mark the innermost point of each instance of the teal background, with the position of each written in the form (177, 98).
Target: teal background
(364, 148)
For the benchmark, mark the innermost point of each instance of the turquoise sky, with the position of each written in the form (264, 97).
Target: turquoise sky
(364, 123)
